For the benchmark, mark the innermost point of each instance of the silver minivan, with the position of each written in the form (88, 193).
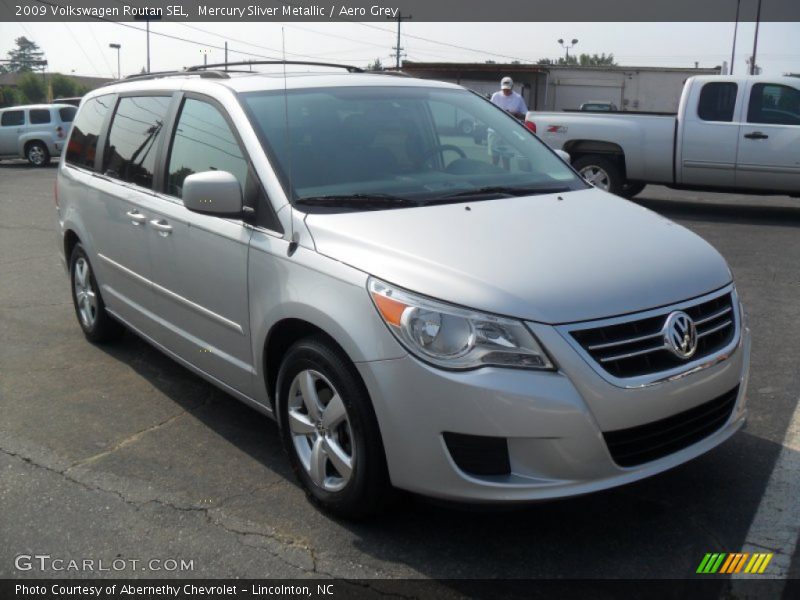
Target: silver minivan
(329, 248)
(36, 132)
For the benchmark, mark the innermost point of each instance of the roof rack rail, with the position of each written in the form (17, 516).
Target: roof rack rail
(160, 74)
(348, 68)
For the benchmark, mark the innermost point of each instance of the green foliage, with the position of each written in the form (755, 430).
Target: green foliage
(9, 96)
(63, 87)
(25, 57)
(32, 88)
(584, 60)
(376, 65)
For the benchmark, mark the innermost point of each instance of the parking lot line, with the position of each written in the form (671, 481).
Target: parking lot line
(776, 526)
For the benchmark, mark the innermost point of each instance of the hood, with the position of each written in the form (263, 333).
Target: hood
(554, 258)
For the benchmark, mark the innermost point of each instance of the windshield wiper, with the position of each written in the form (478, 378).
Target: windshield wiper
(499, 190)
(361, 201)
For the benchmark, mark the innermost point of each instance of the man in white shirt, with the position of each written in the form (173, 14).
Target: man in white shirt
(511, 102)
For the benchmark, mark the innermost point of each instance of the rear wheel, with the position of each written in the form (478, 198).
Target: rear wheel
(630, 189)
(37, 154)
(329, 430)
(603, 173)
(96, 323)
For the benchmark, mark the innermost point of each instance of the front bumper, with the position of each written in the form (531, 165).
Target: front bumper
(553, 422)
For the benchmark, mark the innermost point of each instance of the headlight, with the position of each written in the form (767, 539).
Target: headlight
(452, 337)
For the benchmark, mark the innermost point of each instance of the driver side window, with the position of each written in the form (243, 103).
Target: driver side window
(203, 141)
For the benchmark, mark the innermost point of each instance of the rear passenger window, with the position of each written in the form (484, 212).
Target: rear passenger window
(12, 117)
(82, 144)
(39, 116)
(717, 101)
(203, 142)
(67, 114)
(133, 139)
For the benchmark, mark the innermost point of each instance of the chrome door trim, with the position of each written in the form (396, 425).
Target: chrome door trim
(176, 297)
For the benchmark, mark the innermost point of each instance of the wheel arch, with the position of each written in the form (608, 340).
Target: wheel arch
(580, 148)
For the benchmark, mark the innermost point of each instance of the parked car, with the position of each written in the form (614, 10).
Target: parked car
(598, 106)
(412, 314)
(36, 132)
(730, 134)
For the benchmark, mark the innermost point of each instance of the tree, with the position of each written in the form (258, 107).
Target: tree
(375, 65)
(584, 60)
(25, 57)
(10, 96)
(32, 88)
(63, 87)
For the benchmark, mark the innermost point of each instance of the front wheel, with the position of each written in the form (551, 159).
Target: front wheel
(601, 172)
(329, 430)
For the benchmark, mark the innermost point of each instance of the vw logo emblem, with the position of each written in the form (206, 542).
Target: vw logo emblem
(680, 334)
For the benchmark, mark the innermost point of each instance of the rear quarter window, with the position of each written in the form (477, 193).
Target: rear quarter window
(717, 101)
(67, 114)
(82, 145)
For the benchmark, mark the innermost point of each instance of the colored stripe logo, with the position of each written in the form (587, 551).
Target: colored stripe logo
(729, 563)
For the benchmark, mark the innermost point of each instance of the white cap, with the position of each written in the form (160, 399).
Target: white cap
(506, 83)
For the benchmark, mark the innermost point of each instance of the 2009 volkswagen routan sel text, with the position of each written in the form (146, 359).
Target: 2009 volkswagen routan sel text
(331, 249)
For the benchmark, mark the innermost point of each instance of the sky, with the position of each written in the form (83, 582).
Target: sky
(82, 48)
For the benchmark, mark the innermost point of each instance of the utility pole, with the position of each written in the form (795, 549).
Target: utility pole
(755, 40)
(735, 30)
(148, 45)
(400, 19)
(119, 70)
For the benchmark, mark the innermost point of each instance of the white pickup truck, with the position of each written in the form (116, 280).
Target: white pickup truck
(730, 134)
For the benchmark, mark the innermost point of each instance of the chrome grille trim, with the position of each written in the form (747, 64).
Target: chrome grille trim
(705, 326)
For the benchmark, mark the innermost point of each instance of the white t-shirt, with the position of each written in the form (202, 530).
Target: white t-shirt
(512, 103)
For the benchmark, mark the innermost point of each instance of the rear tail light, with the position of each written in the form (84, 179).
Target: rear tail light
(531, 125)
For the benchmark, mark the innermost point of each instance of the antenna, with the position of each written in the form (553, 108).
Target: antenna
(292, 237)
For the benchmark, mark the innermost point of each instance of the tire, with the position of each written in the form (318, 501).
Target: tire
(630, 189)
(37, 154)
(313, 374)
(601, 172)
(466, 127)
(97, 325)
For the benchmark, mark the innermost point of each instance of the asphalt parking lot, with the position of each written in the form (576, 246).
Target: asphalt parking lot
(117, 452)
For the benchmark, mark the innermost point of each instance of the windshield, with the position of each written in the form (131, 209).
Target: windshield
(403, 143)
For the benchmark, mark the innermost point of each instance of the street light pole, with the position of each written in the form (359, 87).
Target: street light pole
(567, 47)
(735, 30)
(119, 69)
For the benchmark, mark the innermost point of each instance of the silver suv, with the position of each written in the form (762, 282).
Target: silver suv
(415, 313)
(36, 132)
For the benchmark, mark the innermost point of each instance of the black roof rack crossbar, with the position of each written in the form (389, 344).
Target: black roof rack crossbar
(348, 68)
(159, 74)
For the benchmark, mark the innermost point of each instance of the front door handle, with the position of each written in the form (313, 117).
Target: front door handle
(163, 228)
(756, 135)
(136, 217)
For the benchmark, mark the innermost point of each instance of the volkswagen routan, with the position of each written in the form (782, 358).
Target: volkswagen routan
(329, 247)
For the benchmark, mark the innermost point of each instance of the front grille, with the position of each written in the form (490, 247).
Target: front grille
(478, 454)
(637, 445)
(636, 347)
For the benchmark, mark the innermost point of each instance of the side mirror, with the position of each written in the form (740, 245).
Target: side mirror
(213, 192)
(564, 156)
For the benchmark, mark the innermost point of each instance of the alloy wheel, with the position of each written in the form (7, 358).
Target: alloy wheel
(36, 155)
(321, 431)
(85, 295)
(596, 176)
